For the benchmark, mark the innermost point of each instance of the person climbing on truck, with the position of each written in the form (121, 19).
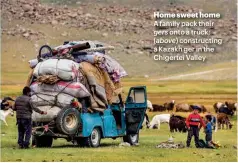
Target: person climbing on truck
(24, 108)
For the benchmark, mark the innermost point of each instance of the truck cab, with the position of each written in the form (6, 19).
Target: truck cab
(121, 119)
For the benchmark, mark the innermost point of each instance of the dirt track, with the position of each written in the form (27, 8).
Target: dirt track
(195, 76)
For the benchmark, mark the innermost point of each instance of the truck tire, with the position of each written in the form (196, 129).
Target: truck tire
(68, 121)
(43, 141)
(132, 139)
(93, 140)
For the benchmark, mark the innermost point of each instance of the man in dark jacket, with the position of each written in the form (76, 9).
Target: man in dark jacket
(23, 108)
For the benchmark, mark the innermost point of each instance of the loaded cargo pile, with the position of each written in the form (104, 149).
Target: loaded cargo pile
(77, 73)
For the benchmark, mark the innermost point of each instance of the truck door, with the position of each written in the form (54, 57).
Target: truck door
(135, 107)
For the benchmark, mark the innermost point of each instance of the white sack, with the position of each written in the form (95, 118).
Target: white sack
(65, 69)
(75, 89)
(48, 98)
(52, 113)
(33, 63)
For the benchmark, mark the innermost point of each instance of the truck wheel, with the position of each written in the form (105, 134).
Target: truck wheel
(132, 139)
(68, 121)
(94, 139)
(43, 141)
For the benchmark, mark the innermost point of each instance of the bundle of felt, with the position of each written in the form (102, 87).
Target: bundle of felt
(76, 69)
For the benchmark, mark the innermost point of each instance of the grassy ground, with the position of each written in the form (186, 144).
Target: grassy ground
(15, 69)
(110, 151)
(158, 92)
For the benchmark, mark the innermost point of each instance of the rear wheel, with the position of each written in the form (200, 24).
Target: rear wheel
(43, 141)
(132, 139)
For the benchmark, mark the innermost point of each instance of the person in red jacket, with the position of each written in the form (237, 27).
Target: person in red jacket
(194, 123)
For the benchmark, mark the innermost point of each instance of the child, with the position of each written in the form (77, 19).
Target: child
(213, 121)
(194, 122)
(208, 131)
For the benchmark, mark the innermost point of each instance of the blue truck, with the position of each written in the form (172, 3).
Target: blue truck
(122, 119)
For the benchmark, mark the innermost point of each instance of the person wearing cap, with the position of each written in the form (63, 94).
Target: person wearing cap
(194, 122)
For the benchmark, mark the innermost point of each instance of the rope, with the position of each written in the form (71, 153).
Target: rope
(47, 79)
(44, 125)
(56, 96)
(37, 94)
(45, 130)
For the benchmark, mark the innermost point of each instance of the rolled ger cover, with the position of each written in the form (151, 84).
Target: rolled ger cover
(79, 47)
(75, 48)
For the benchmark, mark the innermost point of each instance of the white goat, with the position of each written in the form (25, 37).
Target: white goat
(5, 113)
(157, 119)
(149, 105)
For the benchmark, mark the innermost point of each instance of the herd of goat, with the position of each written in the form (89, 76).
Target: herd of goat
(178, 123)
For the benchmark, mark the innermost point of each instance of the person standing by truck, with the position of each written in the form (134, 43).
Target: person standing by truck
(194, 122)
(23, 108)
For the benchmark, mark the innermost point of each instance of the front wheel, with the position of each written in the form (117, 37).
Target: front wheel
(43, 141)
(93, 140)
(132, 139)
